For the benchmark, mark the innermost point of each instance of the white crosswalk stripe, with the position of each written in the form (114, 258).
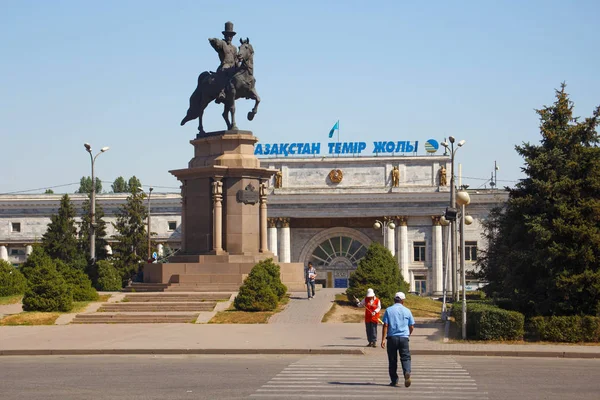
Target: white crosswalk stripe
(355, 377)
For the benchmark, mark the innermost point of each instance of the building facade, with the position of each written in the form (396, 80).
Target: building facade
(320, 209)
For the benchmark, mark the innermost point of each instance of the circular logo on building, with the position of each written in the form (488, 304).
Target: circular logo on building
(431, 146)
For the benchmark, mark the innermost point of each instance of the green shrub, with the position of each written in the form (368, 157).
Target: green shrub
(47, 290)
(570, 329)
(377, 270)
(256, 293)
(78, 281)
(109, 278)
(12, 280)
(487, 322)
(37, 258)
(275, 273)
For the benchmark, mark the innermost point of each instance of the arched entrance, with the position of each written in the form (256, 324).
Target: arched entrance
(335, 253)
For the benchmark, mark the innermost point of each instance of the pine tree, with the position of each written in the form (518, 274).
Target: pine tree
(85, 185)
(120, 186)
(131, 246)
(379, 271)
(60, 239)
(544, 249)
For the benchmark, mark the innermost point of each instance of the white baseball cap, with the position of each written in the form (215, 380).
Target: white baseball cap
(400, 296)
(370, 293)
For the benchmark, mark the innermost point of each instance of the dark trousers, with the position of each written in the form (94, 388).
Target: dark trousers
(371, 331)
(310, 285)
(395, 345)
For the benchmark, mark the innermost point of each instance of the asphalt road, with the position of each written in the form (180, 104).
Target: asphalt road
(293, 377)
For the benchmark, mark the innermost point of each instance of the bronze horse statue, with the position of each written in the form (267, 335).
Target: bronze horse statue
(239, 83)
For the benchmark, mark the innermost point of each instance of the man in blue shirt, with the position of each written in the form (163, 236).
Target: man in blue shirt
(398, 324)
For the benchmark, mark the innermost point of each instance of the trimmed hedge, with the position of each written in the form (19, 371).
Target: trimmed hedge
(569, 329)
(487, 322)
(12, 281)
(262, 289)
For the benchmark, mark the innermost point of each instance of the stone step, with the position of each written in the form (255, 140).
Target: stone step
(203, 287)
(134, 318)
(177, 297)
(156, 307)
(146, 287)
(208, 278)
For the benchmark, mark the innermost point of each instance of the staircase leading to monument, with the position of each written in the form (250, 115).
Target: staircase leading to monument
(192, 283)
(154, 308)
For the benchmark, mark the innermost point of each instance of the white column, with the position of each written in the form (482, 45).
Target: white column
(3, 253)
(284, 245)
(272, 223)
(28, 250)
(437, 259)
(390, 239)
(403, 248)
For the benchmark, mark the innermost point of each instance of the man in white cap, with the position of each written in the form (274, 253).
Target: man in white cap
(398, 325)
(372, 307)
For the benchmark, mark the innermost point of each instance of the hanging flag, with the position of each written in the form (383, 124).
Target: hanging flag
(336, 127)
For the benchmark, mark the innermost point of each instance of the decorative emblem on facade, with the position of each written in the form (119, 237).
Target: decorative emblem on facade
(247, 196)
(336, 175)
(395, 177)
(278, 179)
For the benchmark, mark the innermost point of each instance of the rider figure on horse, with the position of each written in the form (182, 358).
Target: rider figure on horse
(228, 57)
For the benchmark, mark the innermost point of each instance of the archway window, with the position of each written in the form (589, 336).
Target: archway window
(337, 248)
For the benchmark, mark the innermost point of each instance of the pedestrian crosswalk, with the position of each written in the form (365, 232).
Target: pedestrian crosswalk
(358, 377)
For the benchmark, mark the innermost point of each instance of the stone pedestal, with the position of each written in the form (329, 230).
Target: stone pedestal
(224, 209)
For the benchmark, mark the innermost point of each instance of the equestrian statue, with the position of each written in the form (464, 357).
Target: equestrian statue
(233, 80)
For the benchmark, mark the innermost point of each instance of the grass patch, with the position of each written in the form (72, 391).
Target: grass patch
(6, 300)
(45, 318)
(329, 314)
(233, 316)
(423, 307)
(30, 318)
(345, 311)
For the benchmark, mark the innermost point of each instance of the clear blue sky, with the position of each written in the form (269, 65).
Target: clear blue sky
(119, 74)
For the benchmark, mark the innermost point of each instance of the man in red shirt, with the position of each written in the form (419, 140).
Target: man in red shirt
(372, 307)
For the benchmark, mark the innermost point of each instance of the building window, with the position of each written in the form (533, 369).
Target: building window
(172, 225)
(15, 227)
(471, 251)
(17, 252)
(338, 252)
(419, 251)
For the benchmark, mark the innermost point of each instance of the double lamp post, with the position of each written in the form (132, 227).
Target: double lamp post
(451, 216)
(88, 148)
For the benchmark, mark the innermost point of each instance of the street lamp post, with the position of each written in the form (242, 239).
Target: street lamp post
(451, 212)
(464, 200)
(149, 220)
(384, 226)
(88, 148)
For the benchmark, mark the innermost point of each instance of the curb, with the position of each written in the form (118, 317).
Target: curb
(358, 352)
(79, 352)
(504, 353)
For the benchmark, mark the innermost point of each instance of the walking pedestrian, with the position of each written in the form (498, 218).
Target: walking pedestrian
(398, 325)
(310, 274)
(372, 307)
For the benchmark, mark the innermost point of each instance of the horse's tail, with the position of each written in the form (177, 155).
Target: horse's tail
(193, 111)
